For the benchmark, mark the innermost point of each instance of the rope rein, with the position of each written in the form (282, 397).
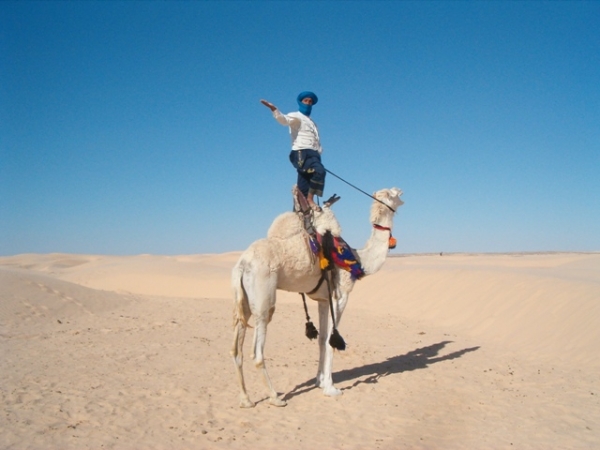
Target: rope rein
(360, 190)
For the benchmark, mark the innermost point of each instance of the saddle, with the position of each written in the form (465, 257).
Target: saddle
(302, 207)
(331, 250)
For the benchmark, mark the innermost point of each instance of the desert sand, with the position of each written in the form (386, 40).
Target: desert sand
(487, 351)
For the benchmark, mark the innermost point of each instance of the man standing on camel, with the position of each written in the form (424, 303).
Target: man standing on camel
(306, 147)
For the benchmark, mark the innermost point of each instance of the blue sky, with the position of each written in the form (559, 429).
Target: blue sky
(136, 127)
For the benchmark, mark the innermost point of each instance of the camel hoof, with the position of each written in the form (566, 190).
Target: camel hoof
(276, 401)
(332, 391)
(246, 403)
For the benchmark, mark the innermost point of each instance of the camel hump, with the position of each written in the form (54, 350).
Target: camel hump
(285, 226)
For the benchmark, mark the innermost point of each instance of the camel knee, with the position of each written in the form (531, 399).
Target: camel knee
(235, 348)
(259, 363)
(237, 358)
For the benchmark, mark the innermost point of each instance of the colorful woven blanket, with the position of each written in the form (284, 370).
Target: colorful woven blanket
(335, 249)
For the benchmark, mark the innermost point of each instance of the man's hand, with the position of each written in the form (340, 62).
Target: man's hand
(271, 106)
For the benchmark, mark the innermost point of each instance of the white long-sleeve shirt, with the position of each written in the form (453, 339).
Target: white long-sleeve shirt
(303, 131)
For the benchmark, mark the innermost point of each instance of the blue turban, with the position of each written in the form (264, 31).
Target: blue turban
(306, 109)
(308, 94)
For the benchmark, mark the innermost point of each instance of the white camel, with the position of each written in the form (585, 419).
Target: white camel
(283, 261)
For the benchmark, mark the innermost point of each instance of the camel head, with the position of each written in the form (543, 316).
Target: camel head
(385, 199)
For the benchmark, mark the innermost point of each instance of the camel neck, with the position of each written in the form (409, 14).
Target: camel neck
(373, 255)
(383, 222)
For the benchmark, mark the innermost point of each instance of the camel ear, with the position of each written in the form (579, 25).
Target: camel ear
(396, 192)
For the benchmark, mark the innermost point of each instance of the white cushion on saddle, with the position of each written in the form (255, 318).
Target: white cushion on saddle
(325, 220)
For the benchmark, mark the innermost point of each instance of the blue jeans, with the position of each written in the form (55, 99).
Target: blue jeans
(311, 173)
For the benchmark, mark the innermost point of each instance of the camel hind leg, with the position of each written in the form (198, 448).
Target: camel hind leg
(254, 296)
(260, 334)
(239, 333)
(241, 315)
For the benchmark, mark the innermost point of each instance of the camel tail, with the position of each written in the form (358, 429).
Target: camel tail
(241, 307)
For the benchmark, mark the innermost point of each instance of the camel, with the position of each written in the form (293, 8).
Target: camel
(283, 261)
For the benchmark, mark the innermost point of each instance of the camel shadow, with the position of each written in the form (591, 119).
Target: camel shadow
(420, 358)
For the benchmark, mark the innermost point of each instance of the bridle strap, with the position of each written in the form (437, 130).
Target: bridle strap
(379, 227)
(392, 241)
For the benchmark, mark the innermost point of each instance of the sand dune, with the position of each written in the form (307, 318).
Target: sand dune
(453, 352)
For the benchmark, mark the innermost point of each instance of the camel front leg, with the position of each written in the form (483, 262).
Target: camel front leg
(324, 378)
